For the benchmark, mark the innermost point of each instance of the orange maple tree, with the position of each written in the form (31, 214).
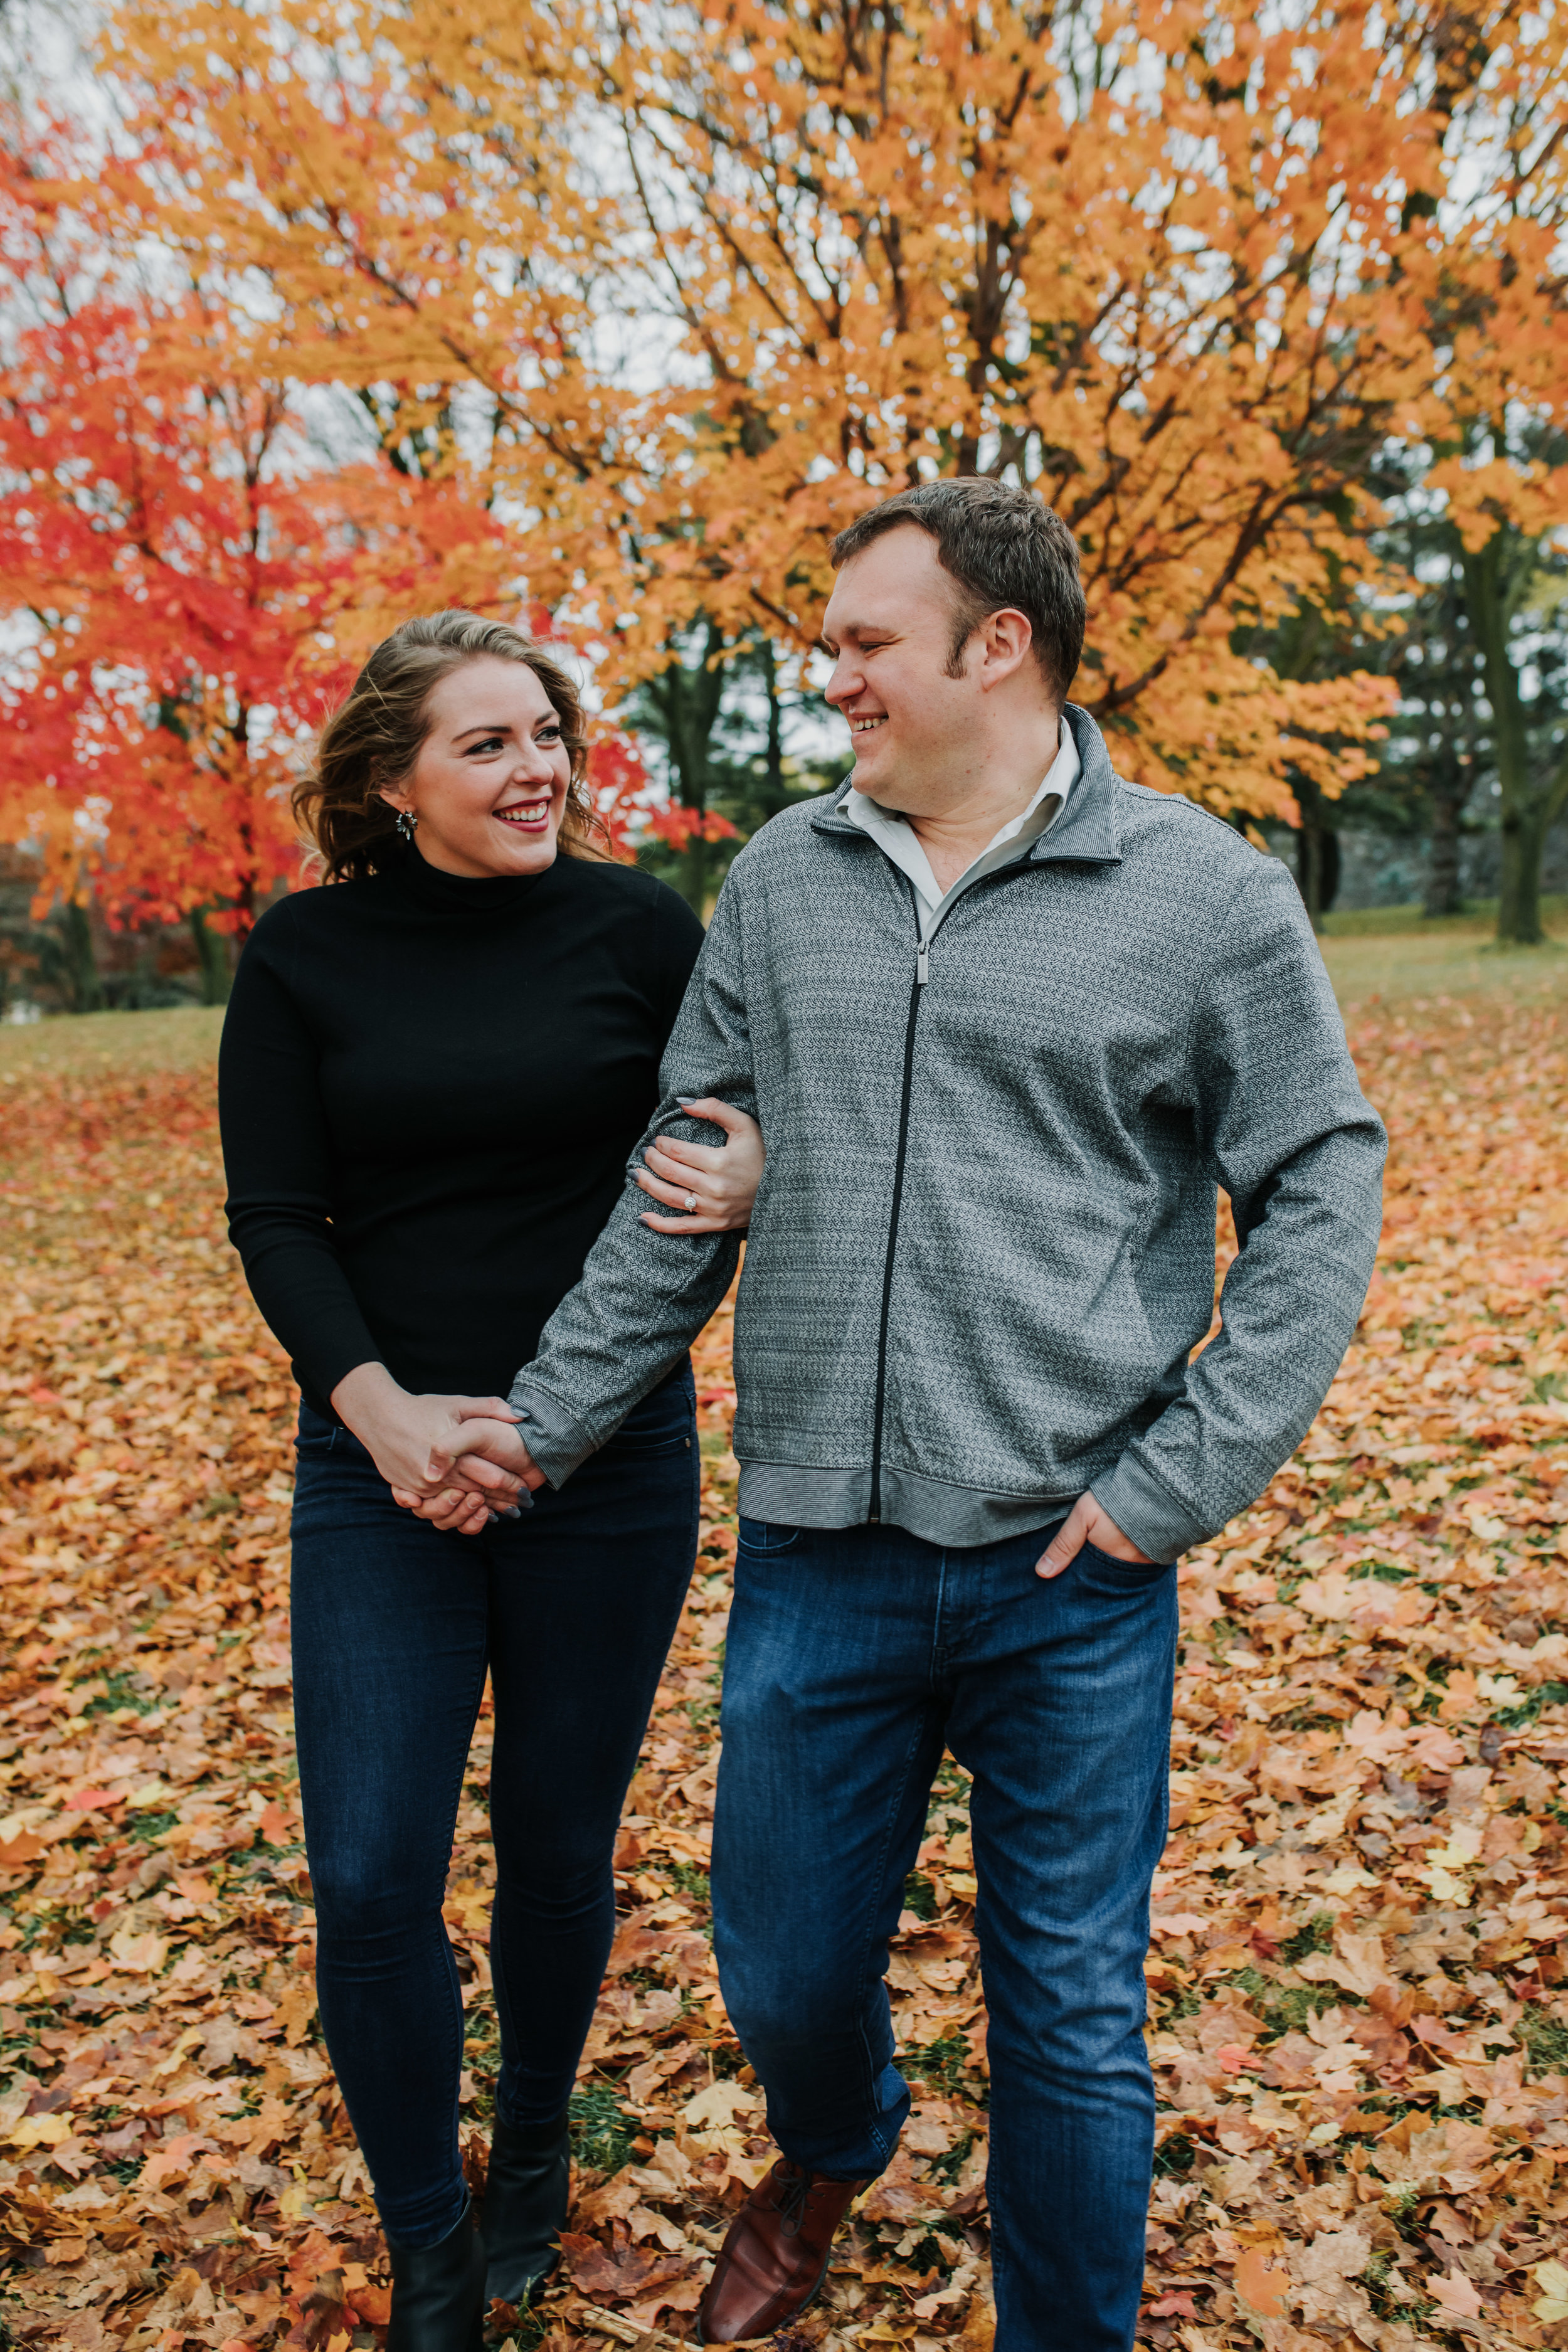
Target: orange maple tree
(191, 581)
(704, 281)
(168, 570)
(626, 314)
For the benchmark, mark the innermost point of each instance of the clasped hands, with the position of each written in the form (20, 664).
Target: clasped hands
(458, 1460)
(454, 1460)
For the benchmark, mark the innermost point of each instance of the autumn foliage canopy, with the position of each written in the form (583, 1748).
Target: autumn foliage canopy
(619, 316)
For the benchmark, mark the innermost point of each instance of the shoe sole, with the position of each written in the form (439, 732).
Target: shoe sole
(519, 2302)
(805, 2307)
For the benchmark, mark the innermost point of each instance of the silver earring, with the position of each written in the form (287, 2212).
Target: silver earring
(406, 824)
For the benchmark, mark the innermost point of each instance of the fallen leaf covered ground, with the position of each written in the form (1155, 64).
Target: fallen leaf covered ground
(1357, 2016)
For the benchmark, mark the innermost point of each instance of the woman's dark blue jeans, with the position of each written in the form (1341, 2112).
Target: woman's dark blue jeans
(572, 1607)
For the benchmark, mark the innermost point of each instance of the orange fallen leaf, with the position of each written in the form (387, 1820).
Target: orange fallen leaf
(142, 1955)
(1455, 2294)
(1262, 2281)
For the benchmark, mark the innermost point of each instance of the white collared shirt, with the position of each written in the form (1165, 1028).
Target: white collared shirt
(898, 838)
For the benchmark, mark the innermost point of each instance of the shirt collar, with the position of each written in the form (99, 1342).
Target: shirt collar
(899, 838)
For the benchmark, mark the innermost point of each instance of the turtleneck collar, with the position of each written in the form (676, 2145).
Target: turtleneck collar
(463, 894)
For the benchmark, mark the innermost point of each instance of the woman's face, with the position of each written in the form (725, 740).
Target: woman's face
(490, 783)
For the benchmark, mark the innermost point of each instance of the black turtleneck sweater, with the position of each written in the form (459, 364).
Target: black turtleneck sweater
(428, 1089)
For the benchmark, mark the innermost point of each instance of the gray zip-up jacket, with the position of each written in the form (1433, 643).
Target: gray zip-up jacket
(984, 1248)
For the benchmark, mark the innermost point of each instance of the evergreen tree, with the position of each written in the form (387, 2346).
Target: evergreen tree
(716, 725)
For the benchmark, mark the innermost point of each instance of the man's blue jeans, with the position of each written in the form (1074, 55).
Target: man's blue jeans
(853, 1657)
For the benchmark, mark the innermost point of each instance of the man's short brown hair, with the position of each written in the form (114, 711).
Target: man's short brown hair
(1004, 550)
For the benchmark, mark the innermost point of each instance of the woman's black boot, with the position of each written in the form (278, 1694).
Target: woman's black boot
(438, 2293)
(527, 2190)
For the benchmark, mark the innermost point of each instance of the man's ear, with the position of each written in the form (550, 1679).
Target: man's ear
(1006, 640)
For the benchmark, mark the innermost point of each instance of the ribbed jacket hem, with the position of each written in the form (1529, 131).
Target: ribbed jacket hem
(958, 1517)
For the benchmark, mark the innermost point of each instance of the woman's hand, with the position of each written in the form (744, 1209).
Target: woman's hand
(722, 1178)
(414, 1440)
(454, 1510)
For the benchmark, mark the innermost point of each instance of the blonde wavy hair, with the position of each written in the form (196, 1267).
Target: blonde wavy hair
(371, 740)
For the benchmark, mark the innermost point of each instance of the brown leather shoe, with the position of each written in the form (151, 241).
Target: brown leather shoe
(774, 2254)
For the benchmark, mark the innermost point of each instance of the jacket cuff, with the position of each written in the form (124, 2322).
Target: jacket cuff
(558, 1442)
(1146, 1511)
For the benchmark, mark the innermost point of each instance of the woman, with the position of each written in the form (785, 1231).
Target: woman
(432, 1075)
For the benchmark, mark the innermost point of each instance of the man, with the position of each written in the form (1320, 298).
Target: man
(1005, 1019)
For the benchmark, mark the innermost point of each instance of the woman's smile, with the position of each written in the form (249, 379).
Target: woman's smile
(527, 816)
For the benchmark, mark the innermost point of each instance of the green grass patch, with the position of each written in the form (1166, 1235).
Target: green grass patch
(100, 1044)
(1185, 2001)
(1317, 1935)
(1480, 916)
(1395, 953)
(689, 1880)
(1544, 1695)
(948, 2167)
(1543, 2039)
(944, 2066)
(148, 1828)
(119, 1691)
(1292, 2006)
(602, 2130)
(920, 1896)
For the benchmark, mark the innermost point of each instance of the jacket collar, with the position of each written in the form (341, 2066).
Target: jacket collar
(1087, 829)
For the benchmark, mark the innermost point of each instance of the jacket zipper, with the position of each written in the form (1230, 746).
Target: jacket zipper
(922, 974)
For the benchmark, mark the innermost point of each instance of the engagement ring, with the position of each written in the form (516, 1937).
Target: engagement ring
(690, 1203)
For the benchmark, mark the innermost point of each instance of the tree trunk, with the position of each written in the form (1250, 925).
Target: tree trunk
(212, 959)
(1529, 807)
(690, 700)
(1523, 845)
(79, 963)
(1450, 790)
(1317, 854)
(776, 725)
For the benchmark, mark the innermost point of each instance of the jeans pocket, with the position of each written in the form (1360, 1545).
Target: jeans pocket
(665, 1422)
(317, 1437)
(766, 1535)
(641, 1445)
(1124, 1575)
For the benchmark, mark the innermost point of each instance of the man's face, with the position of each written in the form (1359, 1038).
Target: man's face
(889, 626)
